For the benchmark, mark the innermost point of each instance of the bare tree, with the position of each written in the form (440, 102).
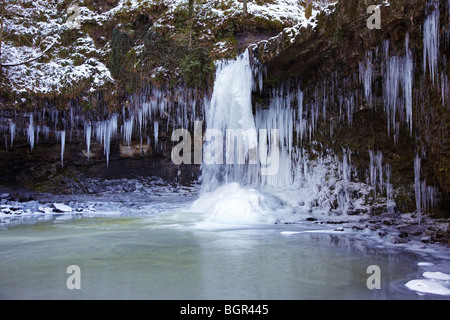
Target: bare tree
(245, 8)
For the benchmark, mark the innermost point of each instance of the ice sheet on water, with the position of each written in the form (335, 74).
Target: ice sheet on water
(427, 286)
(433, 280)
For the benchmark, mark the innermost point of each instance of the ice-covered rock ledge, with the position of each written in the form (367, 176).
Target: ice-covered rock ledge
(12, 208)
(394, 230)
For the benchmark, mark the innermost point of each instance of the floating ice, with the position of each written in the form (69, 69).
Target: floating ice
(427, 286)
(436, 275)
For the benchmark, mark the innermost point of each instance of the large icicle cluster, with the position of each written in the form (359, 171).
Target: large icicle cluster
(144, 112)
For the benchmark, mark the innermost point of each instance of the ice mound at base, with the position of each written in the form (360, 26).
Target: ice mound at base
(233, 204)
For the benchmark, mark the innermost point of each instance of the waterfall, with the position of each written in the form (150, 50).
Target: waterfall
(313, 180)
(229, 111)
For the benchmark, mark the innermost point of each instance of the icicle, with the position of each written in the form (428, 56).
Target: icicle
(429, 196)
(366, 76)
(417, 187)
(388, 184)
(344, 197)
(63, 144)
(301, 127)
(155, 128)
(391, 90)
(128, 130)
(88, 129)
(431, 39)
(105, 131)
(447, 27)
(30, 132)
(445, 89)
(38, 130)
(376, 170)
(398, 74)
(12, 131)
(379, 160)
(408, 77)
